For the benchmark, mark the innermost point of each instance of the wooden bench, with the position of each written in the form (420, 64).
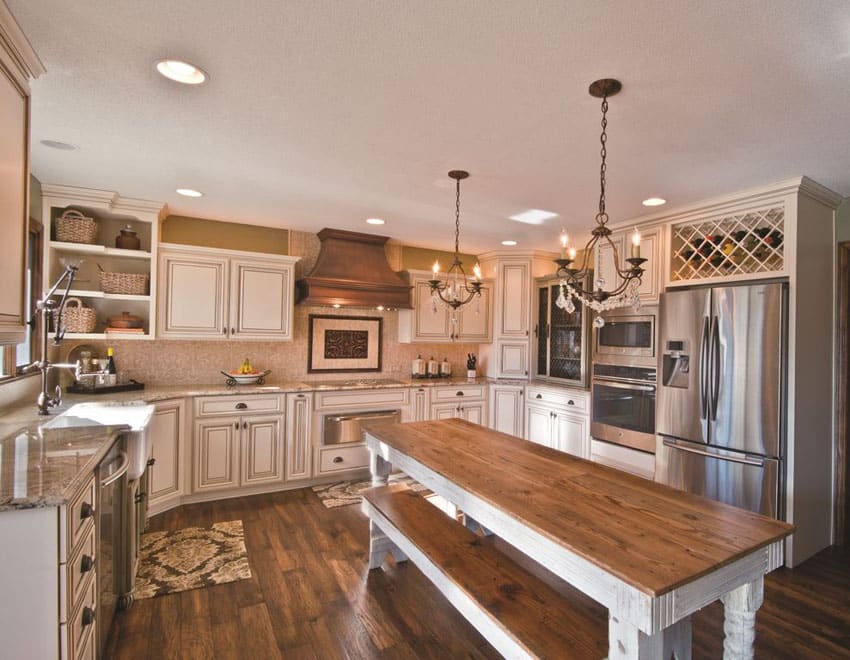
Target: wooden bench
(517, 612)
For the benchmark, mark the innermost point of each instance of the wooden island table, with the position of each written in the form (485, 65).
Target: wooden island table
(650, 554)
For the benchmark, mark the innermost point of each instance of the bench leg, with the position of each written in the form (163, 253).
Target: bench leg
(739, 621)
(473, 525)
(626, 641)
(379, 545)
(380, 468)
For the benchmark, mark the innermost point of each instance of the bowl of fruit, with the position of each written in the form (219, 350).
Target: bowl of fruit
(246, 375)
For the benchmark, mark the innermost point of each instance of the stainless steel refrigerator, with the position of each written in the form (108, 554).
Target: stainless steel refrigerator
(720, 417)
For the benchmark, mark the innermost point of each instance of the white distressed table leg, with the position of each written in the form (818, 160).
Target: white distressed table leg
(626, 642)
(473, 525)
(379, 545)
(380, 468)
(739, 623)
(677, 640)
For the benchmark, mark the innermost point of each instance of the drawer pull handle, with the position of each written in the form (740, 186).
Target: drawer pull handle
(241, 406)
(337, 459)
(88, 616)
(539, 396)
(458, 393)
(571, 402)
(86, 564)
(86, 510)
(151, 462)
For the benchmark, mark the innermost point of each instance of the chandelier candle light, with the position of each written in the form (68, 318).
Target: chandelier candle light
(454, 289)
(625, 291)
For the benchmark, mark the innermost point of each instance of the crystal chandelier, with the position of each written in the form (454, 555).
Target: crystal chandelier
(625, 290)
(454, 289)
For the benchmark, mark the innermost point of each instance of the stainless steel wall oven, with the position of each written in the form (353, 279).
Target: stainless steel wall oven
(623, 405)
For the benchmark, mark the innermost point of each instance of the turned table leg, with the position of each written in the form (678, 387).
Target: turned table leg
(739, 623)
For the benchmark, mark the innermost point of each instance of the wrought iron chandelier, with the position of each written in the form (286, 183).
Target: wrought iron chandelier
(455, 289)
(625, 290)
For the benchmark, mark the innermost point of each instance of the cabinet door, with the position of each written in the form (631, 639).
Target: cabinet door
(650, 249)
(473, 412)
(260, 300)
(605, 266)
(571, 434)
(514, 307)
(475, 322)
(506, 410)
(429, 325)
(538, 424)
(216, 454)
(14, 138)
(166, 433)
(192, 296)
(420, 404)
(262, 450)
(513, 359)
(298, 454)
(445, 410)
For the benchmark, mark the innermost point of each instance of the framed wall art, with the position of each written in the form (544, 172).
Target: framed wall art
(343, 343)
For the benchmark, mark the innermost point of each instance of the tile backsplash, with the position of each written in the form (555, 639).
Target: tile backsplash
(163, 362)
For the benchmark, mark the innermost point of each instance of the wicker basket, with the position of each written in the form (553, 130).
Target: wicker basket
(74, 227)
(78, 318)
(127, 283)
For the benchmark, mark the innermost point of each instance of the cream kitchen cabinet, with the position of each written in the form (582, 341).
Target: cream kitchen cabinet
(468, 402)
(238, 442)
(558, 418)
(298, 449)
(207, 293)
(472, 322)
(506, 408)
(420, 404)
(167, 432)
(651, 242)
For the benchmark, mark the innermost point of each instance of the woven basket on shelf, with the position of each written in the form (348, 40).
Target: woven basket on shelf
(127, 283)
(74, 227)
(78, 318)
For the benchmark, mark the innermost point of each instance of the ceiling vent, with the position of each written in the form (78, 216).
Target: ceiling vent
(352, 271)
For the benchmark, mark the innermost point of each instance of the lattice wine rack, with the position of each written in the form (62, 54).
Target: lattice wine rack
(739, 244)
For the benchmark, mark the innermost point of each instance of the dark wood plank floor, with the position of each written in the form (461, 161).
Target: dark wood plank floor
(311, 596)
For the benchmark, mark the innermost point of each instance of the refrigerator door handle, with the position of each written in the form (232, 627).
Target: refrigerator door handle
(703, 369)
(672, 444)
(714, 376)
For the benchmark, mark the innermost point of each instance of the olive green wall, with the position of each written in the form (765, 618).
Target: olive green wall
(415, 258)
(229, 235)
(35, 198)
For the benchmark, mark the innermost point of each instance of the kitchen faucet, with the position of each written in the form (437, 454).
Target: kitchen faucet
(47, 308)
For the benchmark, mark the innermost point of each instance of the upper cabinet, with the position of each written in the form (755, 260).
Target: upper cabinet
(432, 321)
(205, 293)
(651, 244)
(84, 227)
(18, 65)
(561, 338)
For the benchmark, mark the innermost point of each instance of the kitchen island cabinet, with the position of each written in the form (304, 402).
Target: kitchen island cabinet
(558, 417)
(168, 435)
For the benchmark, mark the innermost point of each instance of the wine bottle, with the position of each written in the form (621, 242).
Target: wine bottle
(110, 361)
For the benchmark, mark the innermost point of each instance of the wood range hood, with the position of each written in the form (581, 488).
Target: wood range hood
(352, 271)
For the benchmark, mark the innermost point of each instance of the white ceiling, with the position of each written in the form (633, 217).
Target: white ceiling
(321, 113)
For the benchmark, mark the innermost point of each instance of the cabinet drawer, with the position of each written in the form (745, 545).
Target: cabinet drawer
(208, 406)
(362, 399)
(76, 519)
(338, 459)
(556, 396)
(457, 393)
(623, 458)
(82, 627)
(73, 575)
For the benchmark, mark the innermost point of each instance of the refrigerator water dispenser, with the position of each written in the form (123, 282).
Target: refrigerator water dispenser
(676, 364)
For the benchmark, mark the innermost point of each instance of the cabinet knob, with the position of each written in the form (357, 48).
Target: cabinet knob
(232, 331)
(224, 331)
(86, 563)
(539, 396)
(86, 510)
(244, 425)
(151, 462)
(236, 425)
(88, 616)
(337, 459)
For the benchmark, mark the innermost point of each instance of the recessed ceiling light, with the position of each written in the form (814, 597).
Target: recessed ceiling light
(188, 192)
(181, 72)
(654, 201)
(56, 144)
(509, 243)
(374, 221)
(533, 216)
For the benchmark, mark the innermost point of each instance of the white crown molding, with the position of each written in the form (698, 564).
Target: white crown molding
(104, 199)
(24, 60)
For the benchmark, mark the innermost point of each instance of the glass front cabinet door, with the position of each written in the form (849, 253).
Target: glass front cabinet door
(562, 346)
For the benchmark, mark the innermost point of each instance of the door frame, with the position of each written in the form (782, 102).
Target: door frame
(842, 394)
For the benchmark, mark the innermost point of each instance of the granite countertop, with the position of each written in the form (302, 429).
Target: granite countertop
(40, 466)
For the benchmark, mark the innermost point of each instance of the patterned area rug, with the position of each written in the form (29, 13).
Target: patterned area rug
(344, 493)
(191, 558)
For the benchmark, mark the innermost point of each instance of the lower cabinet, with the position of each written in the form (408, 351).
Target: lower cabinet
(167, 432)
(558, 418)
(506, 408)
(420, 404)
(299, 408)
(230, 452)
(468, 402)
(623, 458)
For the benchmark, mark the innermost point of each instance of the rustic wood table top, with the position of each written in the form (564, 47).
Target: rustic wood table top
(650, 536)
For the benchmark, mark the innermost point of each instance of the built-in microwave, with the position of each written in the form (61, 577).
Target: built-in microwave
(626, 335)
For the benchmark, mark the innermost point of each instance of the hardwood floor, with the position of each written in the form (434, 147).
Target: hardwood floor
(311, 596)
